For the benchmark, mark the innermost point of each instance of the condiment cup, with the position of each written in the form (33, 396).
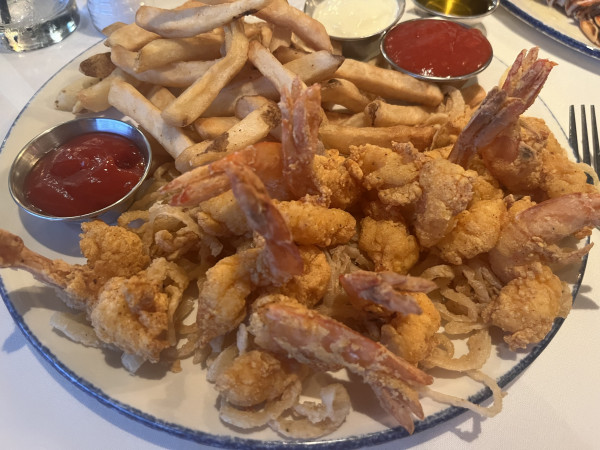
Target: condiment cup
(469, 12)
(361, 47)
(454, 80)
(58, 135)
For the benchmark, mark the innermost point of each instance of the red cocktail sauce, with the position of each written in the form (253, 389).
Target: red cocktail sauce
(439, 48)
(85, 174)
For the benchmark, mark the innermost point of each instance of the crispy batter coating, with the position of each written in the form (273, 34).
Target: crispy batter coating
(317, 225)
(389, 244)
(253, 378)
(112, 251)
(527, 306)
(477, 230)
(447, 190)
(411, 335)
(134, 313)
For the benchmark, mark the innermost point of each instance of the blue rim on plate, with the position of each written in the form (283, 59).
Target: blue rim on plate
(579, 45)
(231, 442)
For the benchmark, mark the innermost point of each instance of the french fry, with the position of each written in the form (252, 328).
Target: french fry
(311, 31)
(341, 92)
(473, 95)
(250, 130)
(130, 102)
(382, 114)
(195, 99)
(209, 128)
(67, 97)
(342, 137)
(282, 37)
(245, 105)
(310, 68)
(270, 67)
(110, 29)
(160, 96)
(131, 37)
(97, 66)
(161, 52)
(389, 83)
(95, 97)
(286, 54)
(176, 74)
(195, 20)
(349, 120)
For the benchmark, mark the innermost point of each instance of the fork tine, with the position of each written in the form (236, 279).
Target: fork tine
(595, 143)
(585, 143)
(573, 133)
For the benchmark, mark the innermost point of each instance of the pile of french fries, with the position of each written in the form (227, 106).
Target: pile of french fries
(204, 80)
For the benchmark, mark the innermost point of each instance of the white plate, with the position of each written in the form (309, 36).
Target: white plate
(553, 22)
(183, 404)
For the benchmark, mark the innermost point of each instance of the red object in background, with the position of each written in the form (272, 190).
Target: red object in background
(439, 48)
(85, 174)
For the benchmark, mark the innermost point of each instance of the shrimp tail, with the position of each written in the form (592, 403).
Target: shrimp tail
(263, 217)
(285, 326)
(301, 118)
(502, 107)
(15, 255)
(385, 289)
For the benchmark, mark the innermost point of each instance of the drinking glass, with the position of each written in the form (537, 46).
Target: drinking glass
(32, 24)
(107, 12)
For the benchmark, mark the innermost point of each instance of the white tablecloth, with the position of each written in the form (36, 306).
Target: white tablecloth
(554, 404)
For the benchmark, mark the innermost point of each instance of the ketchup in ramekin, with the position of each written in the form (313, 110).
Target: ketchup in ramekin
(432, 48)
(85, 174)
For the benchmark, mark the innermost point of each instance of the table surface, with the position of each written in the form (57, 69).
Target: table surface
(553, 404)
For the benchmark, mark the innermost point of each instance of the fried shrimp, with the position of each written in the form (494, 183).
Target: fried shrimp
(531, 234)
(135, 313)
(282, 325)
(411, 336)
(111, 251)
(446, 189)
(528, 305)
(388, 244)
(222, 299)
(254, 377)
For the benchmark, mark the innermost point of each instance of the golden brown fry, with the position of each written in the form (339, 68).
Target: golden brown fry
(282, 37)
(250, 130)
(195, 20)
(131, 37)
(312, 32)
(341, 92)
(129, 101)
(97, 66)
(110, 29)
(285, 54)
(310, 68)
(209, 128)
(270, 67)
(389, 84)
(95, 97)
(194, 100)
(341, 137)
(160, 96)
(249, 103)
(382, 114)
(161, 52)
(473, 95)
(176, 74)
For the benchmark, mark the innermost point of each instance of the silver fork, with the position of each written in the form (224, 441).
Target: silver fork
(592, 158)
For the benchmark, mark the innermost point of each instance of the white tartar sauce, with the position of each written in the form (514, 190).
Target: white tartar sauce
(355, 18)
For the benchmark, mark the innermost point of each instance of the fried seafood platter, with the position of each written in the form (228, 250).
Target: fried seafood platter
(326, 249)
